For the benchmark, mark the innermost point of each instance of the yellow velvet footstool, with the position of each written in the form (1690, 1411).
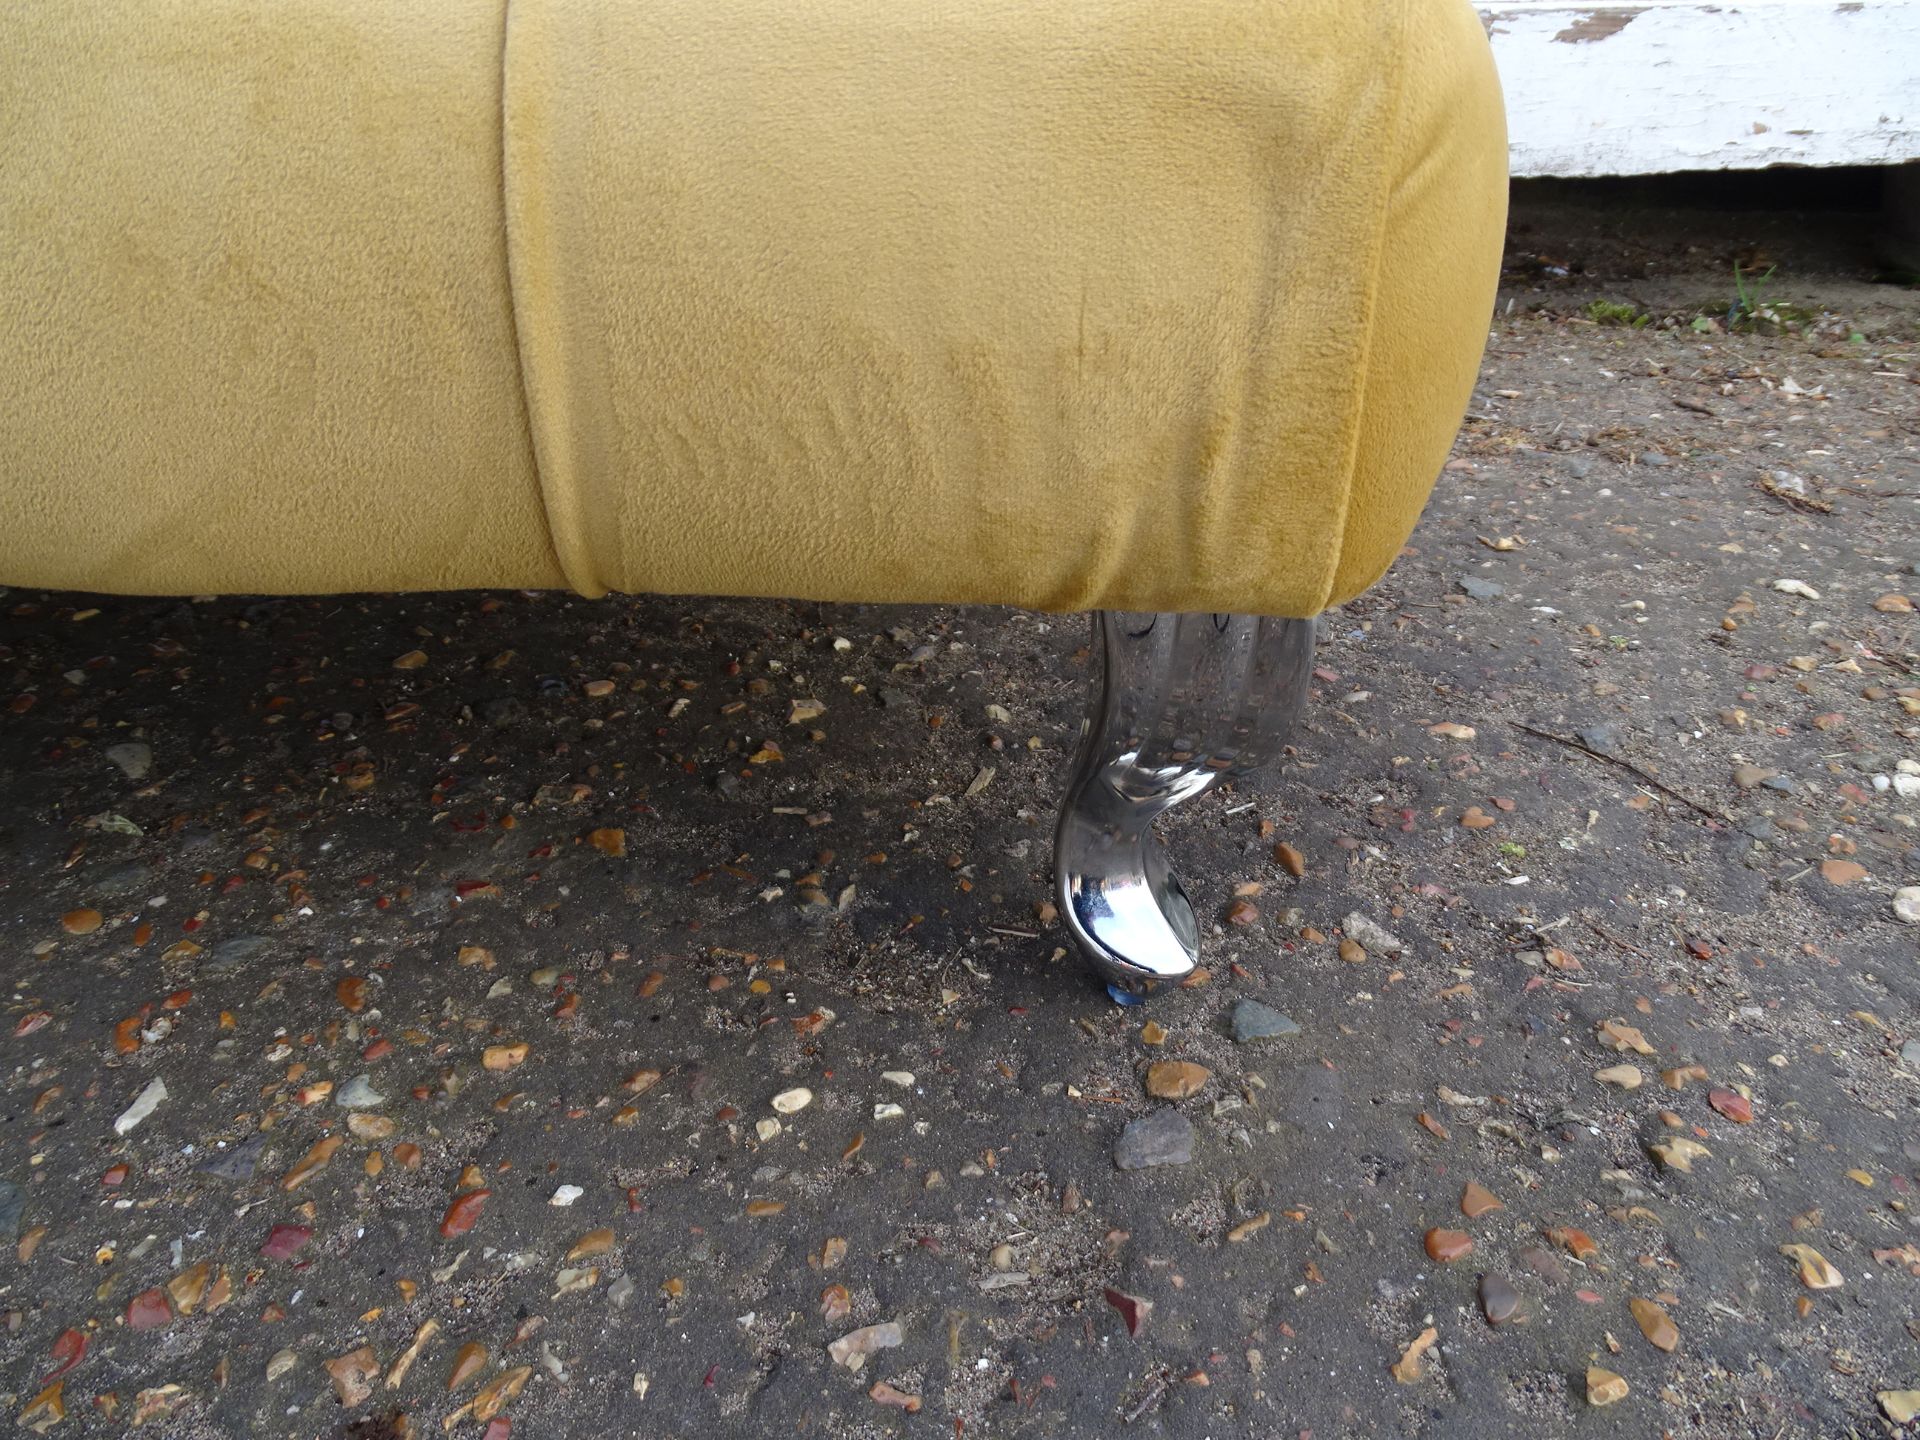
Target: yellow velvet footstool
(1163, 308)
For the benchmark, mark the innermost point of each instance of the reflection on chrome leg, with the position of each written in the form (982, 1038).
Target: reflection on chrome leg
(1182, 702)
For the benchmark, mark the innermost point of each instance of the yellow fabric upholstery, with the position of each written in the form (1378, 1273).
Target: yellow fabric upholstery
(1153, 304)
(255, 331)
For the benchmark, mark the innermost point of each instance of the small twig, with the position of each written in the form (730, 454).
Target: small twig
(1876, 658)
(1152, 1398)
(1608, 935)
(1627, 765)
(1808, 503)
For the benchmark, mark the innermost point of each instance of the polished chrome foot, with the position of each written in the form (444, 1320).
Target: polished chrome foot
(1182, 702)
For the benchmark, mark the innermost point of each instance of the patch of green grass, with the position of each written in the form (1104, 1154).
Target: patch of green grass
(1617, 312)
(1749, 310)
(1753, 312)
(1746, 301)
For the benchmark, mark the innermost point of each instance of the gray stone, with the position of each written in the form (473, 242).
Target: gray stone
(1759, 827)
(1254, 1021)
(123, 880)
(13, 1200)
(1544, 1263)
(1163, 1138)
(1601, 739)
(1374, 937)
(133, 758)
(236, 1162)
(358, 1094)
(1499, 1301)
(237, 951)
(1482, 589)
(1910, 1054)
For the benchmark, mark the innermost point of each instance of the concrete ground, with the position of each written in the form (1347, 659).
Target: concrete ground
(552, 1017)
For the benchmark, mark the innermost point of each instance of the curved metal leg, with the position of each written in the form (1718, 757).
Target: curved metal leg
(1182, 702)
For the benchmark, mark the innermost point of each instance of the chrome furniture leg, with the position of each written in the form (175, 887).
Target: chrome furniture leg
(1182, 702)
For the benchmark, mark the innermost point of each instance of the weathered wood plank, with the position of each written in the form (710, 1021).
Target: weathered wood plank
(1682, 85)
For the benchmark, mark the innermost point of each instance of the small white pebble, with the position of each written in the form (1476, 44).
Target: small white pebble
(566, 1195)
(144, 1105)
(902, 1078)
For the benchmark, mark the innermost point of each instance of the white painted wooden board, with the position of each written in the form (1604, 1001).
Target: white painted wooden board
(1683, 85)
